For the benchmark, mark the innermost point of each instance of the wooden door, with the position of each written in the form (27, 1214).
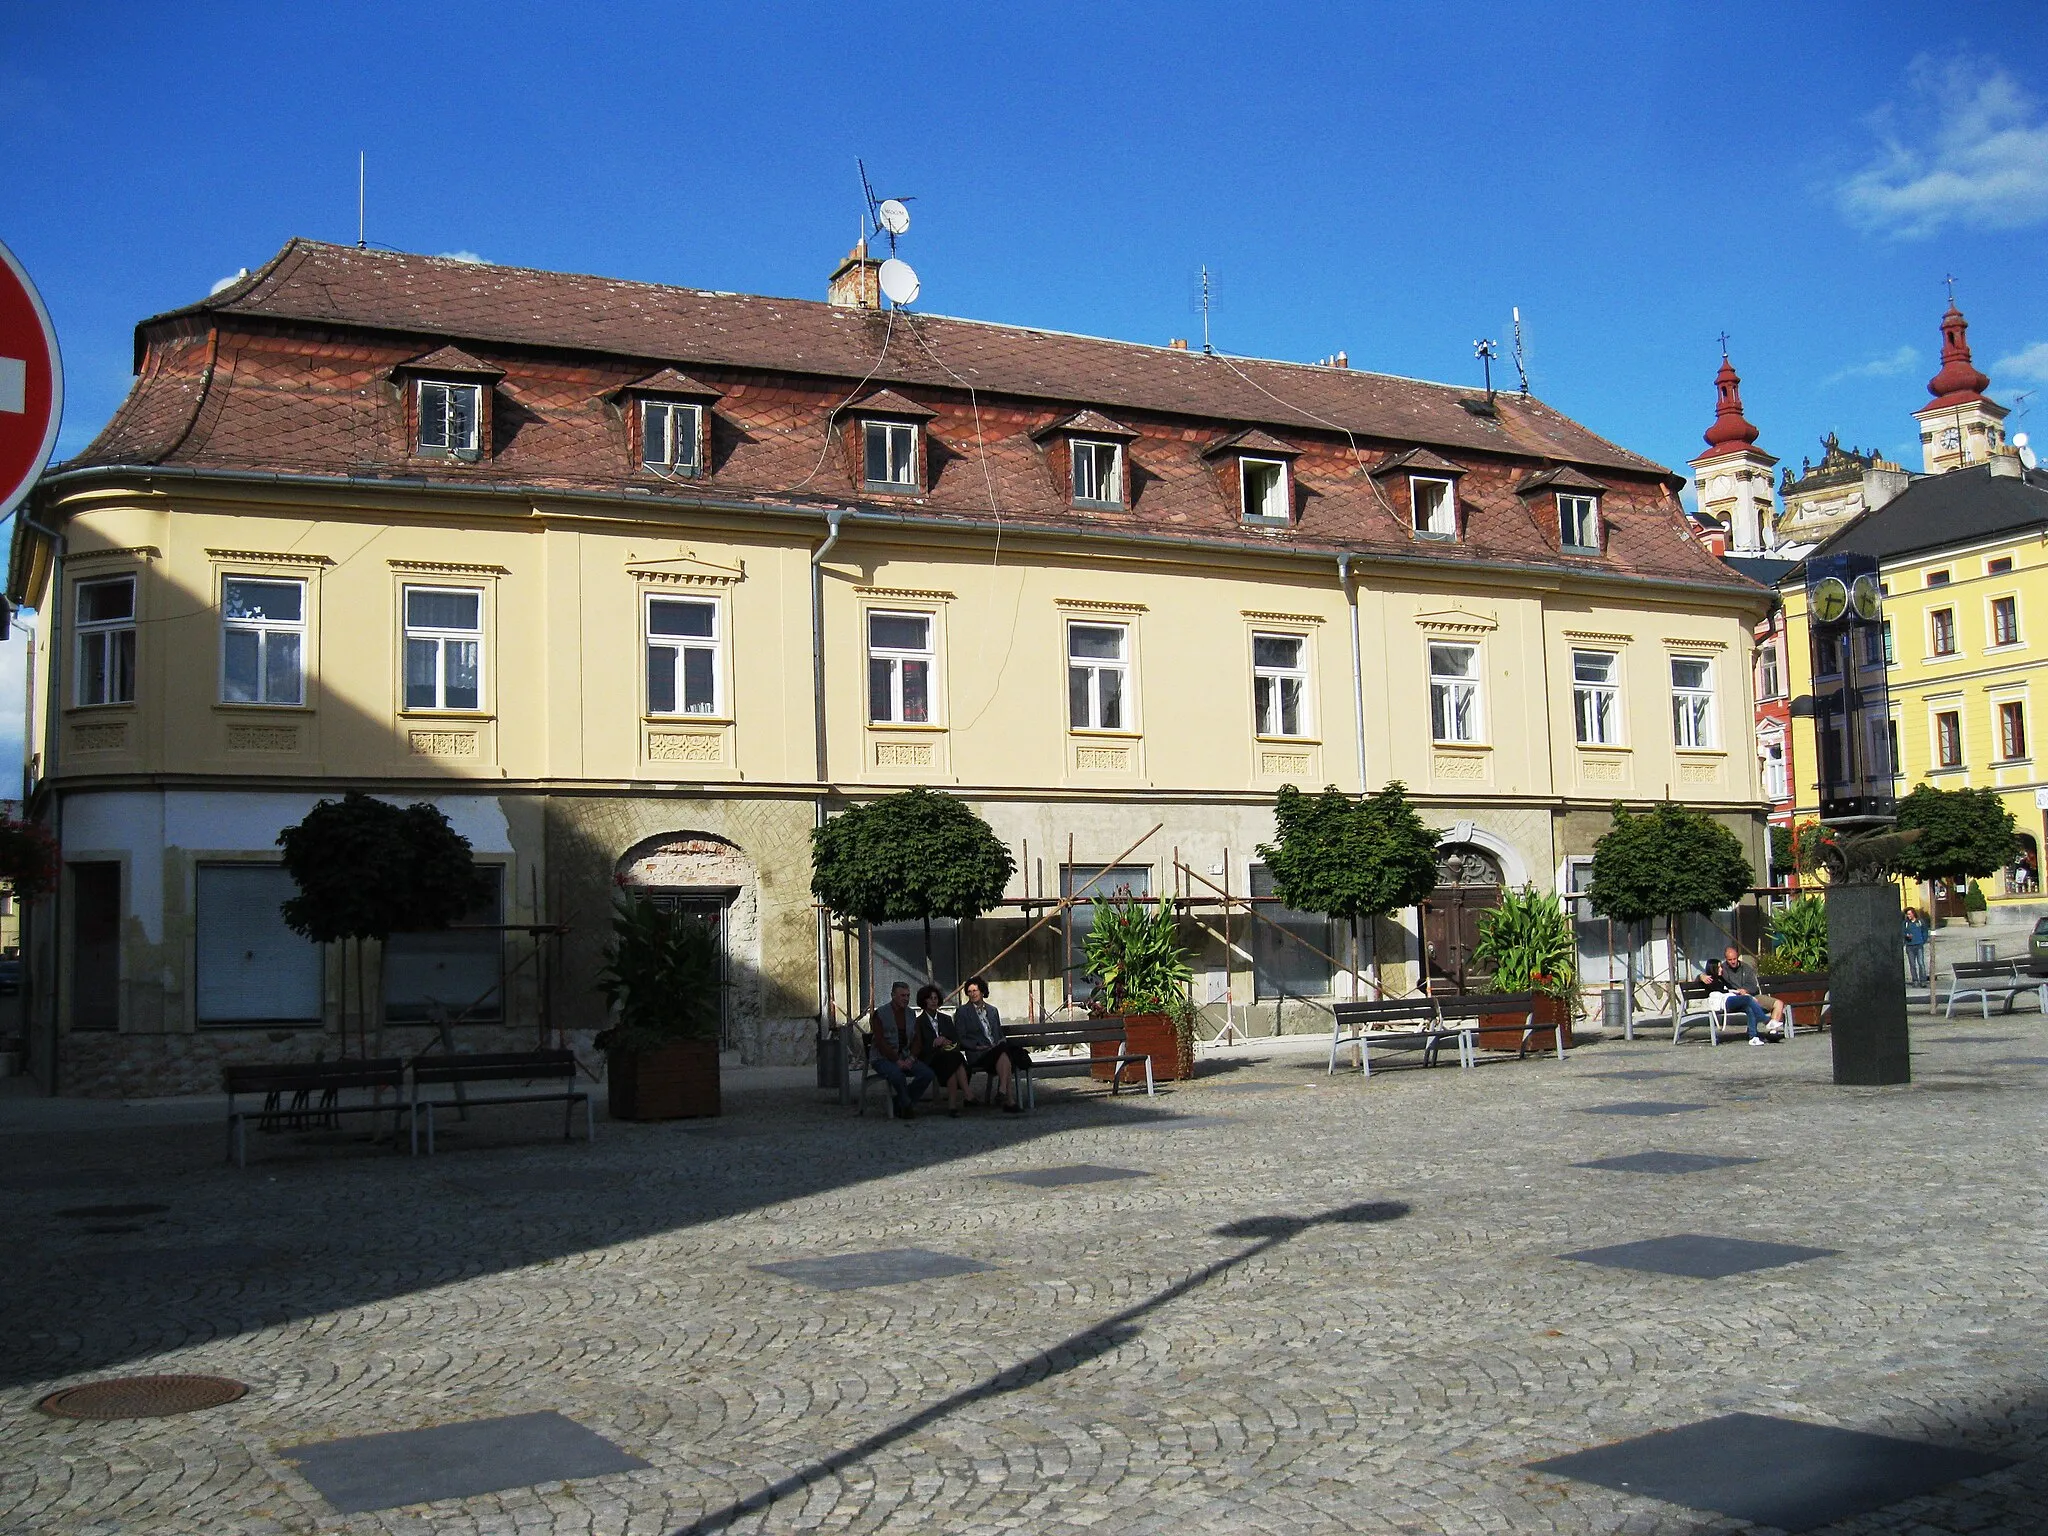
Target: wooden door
(1450, 929)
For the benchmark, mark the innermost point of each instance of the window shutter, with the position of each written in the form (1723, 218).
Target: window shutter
(252, 968)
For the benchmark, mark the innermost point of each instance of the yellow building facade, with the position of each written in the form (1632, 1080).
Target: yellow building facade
(635, 584)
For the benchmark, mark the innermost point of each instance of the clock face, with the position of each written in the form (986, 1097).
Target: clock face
(1952, 438)
(1830, 600)
(1865, 597)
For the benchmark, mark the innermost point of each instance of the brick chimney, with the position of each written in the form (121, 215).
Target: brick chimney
(856, 283)
(1178, 344)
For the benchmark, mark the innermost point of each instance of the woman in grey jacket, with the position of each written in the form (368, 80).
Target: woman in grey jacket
(979, 1029)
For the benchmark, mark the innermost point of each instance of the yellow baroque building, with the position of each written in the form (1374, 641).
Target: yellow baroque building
(636, 583)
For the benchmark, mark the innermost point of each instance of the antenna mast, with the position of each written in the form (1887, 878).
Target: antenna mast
(362, 176)
(1207, 350)
(1521, 366)
(1486, 352)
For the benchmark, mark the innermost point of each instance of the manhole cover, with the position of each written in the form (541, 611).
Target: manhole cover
(141, 1397)
(115, 1210)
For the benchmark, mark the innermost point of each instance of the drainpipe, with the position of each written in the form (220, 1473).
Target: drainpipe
(824, 934)
(1357, 670)
(52, 626)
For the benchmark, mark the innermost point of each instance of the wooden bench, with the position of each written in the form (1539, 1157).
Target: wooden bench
(1090, 1033)
(1986, 979)
(459, 1071)
(1475, 1006)
(303, 1080)
(1399, 1024)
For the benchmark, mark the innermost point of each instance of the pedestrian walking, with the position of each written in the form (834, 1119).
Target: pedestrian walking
(1915, 932)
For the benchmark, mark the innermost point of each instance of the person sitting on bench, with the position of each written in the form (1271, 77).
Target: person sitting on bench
(897, 1049)
(947, 1061)
(979, 1029)
(1737, 977)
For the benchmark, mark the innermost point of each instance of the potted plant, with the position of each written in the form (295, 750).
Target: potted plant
(1795, 967)
(661, 977)
(1141, 972)
(1975, 910)
(1529, 942)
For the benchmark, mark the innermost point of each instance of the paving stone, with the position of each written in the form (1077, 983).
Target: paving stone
(1072, 1173)
(1638, 1075)
(1643, 1107)
(455, 1461)
(2021, 1061)
(887, 1266)
(1230, 1087)
(1976, 1039)
(1698, 1255)
(1664, 1162)
(174, 1264)
(1777, 1472)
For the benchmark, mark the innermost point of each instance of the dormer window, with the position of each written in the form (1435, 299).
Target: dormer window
(889, 456)
(1263, 485)
(1435, 506)
(451, 418)
(1578, 522)
(671, 436)
(1098, 473)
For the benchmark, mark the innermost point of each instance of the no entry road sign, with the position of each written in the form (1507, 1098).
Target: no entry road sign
(31, 383)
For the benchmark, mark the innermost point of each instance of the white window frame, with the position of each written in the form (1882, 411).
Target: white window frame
(114, 638)
(1443, 521)
(1282, 483)
(1110, 485)
(1934, 719)
(449, 388)
(1271, 719)
(441, 637)
(669, 413)
(1770, 675)
(1695, 711)
(1587, 697)
(1991, 620)
(1590, 506)
(889, 429)
(1955, 634)
(1451, 688)
(265, 629)
(1998, 709)
(1774, 771)
(896, 657)
(678, 646)
(1095, 668)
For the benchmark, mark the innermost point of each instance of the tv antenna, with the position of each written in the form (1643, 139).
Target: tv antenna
(1521, 365)
(362, 178)
(888, 217)
(1204, 302)
(1486, 352)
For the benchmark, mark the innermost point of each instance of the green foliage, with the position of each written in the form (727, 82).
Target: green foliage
(1965, 834)
(1973, 898)
(367, 869)
(1667, 862)
(1799, 936)
(1350, 858)
(1808, 839)
(28, 857)
(1529, 942)
(1782, 856)
(1134, 953)
(920, 854)
(661, 976)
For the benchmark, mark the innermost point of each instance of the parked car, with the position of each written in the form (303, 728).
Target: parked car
(2037, 948)
(10, 977)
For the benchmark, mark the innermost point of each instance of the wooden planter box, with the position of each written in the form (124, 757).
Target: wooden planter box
(1154, 1035)
(1801, 993)
(1503, 1031)
(677, 1082)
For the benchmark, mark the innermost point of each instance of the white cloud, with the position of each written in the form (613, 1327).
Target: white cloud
(1968, 147)
(469, 256)
(1890, 366)
(2029, 365)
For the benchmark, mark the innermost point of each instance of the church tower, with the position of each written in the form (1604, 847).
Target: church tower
(1959, 426)
(1732, 478)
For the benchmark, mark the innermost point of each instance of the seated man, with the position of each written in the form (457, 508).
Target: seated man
(897, 1049)
(1738, 978)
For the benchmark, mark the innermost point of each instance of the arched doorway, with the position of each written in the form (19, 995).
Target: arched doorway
(713, 881)
(1468, 882)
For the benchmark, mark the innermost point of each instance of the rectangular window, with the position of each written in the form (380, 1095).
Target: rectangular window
(1578, 522)
(1873, 647)
(1777, 782)
(1436, 506)
(889, 460)
(1098, 677)
(105, 626)
(96, 946)
(895, 952)
(1948, 739)
(1280, 684)
(682, 656)
(1891, 654)
(252, 969)
(1828, 654)
(1263, 484)
(1290, 950)
(1596, 698)
(900, 668)
(1891, 747)
(1879, 764)
(1454, 704)
(444, 629)
(1099, 474)
(2012, 731)
(1937, 578)
(669, 436)
(2005, 621)
(1941, 631)
(450, 415)
(456, 973)
(1116, 880)
(1769, 681)
(1692, 702)
(1999, 566)
(262, 641)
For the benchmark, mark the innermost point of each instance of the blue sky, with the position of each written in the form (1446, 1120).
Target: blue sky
(1385, 180)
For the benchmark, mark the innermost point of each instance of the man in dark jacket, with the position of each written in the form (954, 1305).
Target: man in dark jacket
(897, 1049)
(1738, 978)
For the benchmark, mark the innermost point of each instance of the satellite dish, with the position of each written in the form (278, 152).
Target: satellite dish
(893, 216)
(229, 282)
(899, 282)
(2027, 458)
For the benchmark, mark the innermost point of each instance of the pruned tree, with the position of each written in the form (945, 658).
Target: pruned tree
(367, 869)
(1965, 834)
(1350, 859)
(1668, 862)
(919, 854)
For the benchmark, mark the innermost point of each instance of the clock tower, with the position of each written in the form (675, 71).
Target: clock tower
(1959, 426)
(1732, 478)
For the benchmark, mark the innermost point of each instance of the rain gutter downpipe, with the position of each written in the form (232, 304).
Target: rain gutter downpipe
(1357, 669)
(832, 521)
(52, 625)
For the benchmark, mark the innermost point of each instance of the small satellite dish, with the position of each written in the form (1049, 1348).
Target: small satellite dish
(2027, 459)
(893, 216)
(228, 282)
(899, 282)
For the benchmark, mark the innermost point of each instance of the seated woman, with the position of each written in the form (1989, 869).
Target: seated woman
(979, 1029)
(948, 1063)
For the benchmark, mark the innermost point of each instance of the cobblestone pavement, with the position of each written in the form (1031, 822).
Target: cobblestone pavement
(1334, 1306)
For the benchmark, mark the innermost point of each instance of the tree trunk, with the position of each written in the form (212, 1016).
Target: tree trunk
(1677, 967)
(928, 947)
